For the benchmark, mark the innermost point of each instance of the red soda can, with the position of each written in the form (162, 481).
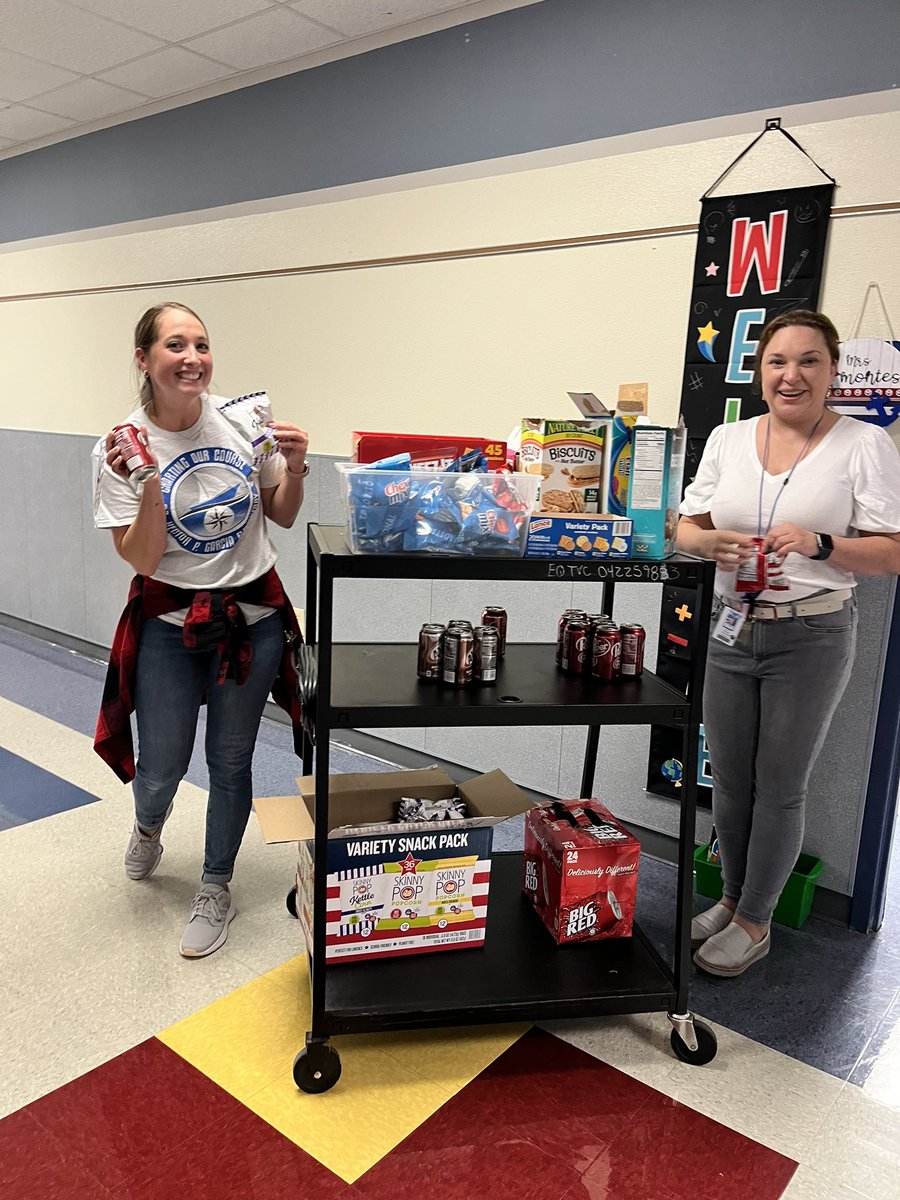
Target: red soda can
(606, 653)
(430, 666)
(496, 616)
(633, 638)
(134, 451)
(571, 614)
(576, 648)
(752, 575)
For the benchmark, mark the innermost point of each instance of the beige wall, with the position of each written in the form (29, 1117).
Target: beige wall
(457, 345)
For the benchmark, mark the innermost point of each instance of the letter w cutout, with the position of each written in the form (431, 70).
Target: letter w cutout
(751, 244)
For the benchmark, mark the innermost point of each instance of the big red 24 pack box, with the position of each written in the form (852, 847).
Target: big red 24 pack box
(580, 870)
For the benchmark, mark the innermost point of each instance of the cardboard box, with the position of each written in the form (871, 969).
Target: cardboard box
(568, 459)
(580, 870)
(428, 452)
(582, 537)
(617, 448)
(395, 888)
(654, 488)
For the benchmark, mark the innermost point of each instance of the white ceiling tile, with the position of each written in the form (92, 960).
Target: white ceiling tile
(166, 73)
(87, 100)
(22, 77)
(354, 19)
(271, 37)
(21, 123)
(69, 37)
(174, 20)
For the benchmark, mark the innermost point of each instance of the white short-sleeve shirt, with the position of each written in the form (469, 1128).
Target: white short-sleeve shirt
(849, 483)
(217, 535)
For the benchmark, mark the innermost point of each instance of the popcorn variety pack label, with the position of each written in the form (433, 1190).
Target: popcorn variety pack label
(580, 870)
(568, 457)
(401, 890)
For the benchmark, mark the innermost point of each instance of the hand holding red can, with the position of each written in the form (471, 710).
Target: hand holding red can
(128, 453)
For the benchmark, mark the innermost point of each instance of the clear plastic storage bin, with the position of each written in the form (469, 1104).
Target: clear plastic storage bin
(423, 512)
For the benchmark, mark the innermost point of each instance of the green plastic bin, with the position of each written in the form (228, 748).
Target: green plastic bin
(795, 902)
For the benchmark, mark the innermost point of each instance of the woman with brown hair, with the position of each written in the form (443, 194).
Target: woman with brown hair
(207, 619)
(792, 505)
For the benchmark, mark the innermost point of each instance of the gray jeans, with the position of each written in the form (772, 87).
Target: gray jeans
(767, 704)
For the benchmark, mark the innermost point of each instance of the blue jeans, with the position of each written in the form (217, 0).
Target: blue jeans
(170, 682)
(768, 701)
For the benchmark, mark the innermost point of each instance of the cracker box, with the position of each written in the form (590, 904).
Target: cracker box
(654, 488)
(580, 870)
(395, 888)
(587, 536)
(428, 453)
(568, 458)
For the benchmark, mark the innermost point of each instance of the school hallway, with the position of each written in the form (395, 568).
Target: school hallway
(130, 1072)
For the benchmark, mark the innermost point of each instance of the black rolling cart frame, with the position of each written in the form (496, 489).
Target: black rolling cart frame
(519, 974)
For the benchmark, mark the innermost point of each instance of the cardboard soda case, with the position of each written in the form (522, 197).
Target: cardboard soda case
(580, 870)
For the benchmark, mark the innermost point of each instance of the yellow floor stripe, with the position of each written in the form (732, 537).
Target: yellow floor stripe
(390, 1084)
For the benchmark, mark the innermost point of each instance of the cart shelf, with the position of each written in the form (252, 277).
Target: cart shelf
(519, 974)
(377, 686)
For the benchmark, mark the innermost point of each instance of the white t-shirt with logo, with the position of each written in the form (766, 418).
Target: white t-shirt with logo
(848, 483)
(217, 535)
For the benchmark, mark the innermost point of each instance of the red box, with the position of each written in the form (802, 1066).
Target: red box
(428, 452)
(580, 870)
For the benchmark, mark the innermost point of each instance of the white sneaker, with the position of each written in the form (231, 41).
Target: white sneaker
(212, 911)
(144, 850)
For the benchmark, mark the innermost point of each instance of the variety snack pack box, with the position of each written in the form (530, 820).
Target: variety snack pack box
(585, 536)
(395, 888)
(580, 870)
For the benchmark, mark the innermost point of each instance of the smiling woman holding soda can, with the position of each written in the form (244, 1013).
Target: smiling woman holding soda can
(792, 505)
(187, 485)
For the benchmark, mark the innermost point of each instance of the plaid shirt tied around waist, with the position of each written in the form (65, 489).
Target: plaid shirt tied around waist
(214, 621)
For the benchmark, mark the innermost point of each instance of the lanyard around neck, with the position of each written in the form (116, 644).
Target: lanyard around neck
(762, 476)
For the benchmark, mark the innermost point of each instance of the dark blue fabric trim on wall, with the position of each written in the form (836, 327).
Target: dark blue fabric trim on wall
(555, 73)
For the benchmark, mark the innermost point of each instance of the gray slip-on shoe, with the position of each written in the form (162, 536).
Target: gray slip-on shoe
(712, 921)
(731, 952)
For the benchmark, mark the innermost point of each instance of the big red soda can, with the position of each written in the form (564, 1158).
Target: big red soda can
(606, 653)
(493, 615)
(633, 637)
(134, 451)
(571, 614)
(431, 665)
(576, 643)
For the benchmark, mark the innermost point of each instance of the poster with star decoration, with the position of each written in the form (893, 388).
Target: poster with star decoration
(758, 255)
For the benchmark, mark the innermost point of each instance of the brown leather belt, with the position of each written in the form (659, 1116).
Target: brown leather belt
(809, 607)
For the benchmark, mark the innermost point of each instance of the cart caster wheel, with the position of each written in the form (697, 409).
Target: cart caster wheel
(706, 1046)
(291, 902)
(317, 1072)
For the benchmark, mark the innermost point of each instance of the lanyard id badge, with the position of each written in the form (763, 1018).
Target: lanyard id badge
(727, 628)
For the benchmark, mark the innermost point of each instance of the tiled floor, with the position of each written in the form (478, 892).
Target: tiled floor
(126, 1071)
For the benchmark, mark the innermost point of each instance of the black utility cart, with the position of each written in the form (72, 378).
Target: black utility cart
(519, 974)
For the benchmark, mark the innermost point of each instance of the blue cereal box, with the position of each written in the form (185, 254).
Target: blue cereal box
(584, 536)
(654, 488)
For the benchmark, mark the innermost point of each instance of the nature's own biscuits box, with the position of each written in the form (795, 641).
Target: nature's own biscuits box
(395, 888)
(568, 456)
(580, 870)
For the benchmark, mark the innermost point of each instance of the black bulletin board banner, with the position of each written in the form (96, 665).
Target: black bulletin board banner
(758, 255)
